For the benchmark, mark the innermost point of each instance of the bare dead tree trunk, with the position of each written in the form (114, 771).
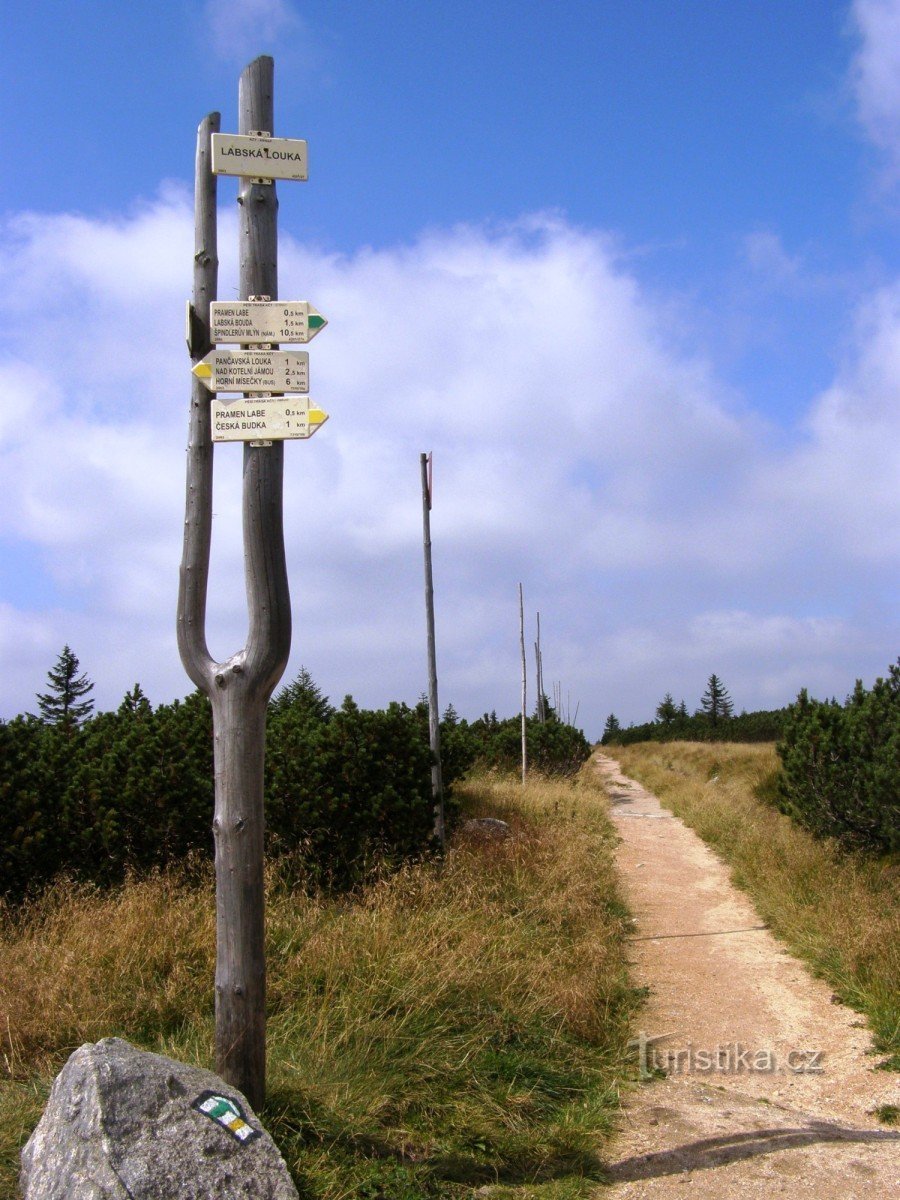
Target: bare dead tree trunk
(238, 689)
(198, 507)
(434, 721)
(539, 675)
(524, 685)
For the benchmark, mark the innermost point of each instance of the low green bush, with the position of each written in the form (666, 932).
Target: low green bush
(345, 787)
(840, 772)
(554, 748)
(133, 789)
(126, 789)
(762, 726)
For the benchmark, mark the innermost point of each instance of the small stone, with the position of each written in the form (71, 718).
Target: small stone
(489, 828)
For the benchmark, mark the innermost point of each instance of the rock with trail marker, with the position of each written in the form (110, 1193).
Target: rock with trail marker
(122, 1124)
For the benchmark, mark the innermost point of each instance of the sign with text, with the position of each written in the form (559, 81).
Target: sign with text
(266, 419)
(261, 321)
(254, 371)
(257, 157)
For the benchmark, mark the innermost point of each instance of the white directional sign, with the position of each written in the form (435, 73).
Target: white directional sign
(258, 321)
(265, 419)
(259, 157)
(254, 371)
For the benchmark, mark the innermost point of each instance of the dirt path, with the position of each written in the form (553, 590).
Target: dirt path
(769, 1088)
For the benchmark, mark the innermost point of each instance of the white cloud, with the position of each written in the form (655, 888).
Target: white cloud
(839, 487)
(766, 255)
(579, 446)
(243, 28)
(875, 73)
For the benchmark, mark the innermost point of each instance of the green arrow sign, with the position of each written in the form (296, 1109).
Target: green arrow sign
(258, 322)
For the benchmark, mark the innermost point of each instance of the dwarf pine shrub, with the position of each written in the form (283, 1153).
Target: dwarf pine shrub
(841, 765)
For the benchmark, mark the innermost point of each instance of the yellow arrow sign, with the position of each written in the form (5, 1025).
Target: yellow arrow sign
(258, 419)
(254, 370)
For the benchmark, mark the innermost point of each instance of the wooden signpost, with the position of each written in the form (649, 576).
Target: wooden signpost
(239, 688)
(434, 718)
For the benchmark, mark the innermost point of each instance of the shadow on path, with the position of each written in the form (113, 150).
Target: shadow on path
(720, 1151)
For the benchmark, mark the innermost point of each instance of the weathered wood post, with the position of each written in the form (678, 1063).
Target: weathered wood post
(541, 713)
(524, 685)
(434, 719)
(238, 689)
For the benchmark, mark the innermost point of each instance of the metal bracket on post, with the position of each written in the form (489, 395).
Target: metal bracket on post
(259, 133)
(262, 345)
(262, 396)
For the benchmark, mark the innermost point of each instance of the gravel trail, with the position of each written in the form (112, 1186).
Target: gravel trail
(770, 1086)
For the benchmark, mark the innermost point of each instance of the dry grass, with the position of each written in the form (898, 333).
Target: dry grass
(453, 1024)
(81, 964)
(840, 911)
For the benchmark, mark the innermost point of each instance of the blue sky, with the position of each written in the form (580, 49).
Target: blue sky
(630, 270)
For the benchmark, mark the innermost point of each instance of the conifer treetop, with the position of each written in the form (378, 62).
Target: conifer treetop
(63, 704)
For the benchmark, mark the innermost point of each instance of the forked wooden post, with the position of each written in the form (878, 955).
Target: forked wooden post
(238, 689)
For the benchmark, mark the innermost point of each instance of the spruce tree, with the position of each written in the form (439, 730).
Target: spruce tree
(304, 697)
(716, 703)
(666, 710)
(611, 728)
(63, 704)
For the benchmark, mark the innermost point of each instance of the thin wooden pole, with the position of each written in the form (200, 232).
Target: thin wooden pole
(539, 675)
(434, 720)
(524, 685)
(239, 688)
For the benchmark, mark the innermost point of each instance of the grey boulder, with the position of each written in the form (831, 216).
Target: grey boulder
(122, 1124)
(489, 829)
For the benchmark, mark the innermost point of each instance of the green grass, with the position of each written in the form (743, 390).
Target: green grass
(840, 911)
(453, 1026)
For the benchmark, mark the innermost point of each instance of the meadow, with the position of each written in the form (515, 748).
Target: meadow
(454, 1024)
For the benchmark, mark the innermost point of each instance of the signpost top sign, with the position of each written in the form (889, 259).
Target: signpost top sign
(258, 156)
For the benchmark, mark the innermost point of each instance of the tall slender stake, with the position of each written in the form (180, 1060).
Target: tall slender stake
(524, 685)
(238, 689)
(539, 675)
(434, 721)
